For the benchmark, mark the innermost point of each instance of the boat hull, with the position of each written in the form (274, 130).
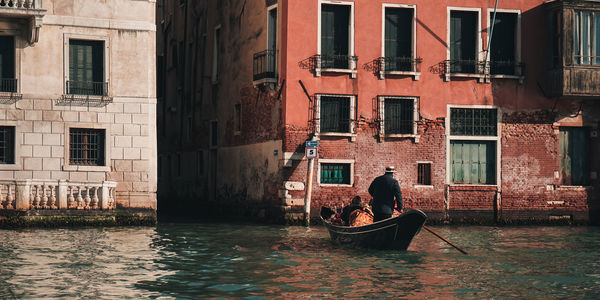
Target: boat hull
(392, 234)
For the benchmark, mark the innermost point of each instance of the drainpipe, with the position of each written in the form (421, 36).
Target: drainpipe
(308, 194)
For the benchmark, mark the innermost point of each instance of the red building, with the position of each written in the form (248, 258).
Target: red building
(484, 123)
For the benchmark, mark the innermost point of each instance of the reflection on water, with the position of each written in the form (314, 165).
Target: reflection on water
(262, 262)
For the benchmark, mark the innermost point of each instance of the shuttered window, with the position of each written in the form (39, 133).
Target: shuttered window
(473, 162)
(334, 114)
(332, 173)
(335, 36)
(463, 30)
(399, 116)
(86, 68)
(574, 155)
(398, 39)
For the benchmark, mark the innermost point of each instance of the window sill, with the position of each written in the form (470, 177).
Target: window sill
(335, 185)
(352, 136)
(500, 76)
(10, 167)
(421, 186)
(86, 168)
(415, 75)
(573, 187)
(416, 137)
(480, 77)
(352, 72)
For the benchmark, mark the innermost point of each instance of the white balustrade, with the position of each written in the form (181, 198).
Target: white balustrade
(18, 4)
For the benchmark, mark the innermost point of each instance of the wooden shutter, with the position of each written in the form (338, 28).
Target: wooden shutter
(335, 29)
(398, 32)
(463, 28)
(574, 155)
(473, 162)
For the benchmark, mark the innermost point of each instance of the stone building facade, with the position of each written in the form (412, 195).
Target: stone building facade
(484, 123)
(77, 105)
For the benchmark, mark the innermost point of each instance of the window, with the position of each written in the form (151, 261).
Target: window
(86, 146)
(7, 144)
(335, 114)
(213, 134)
(336, 36)
(335, 173)
(586, 48)
(503, 48)
(398, 39)
(399, 115)
(473, 136)
(424, 173)
(272, 29)
(86, 68)
(237, 118)
(463, 41)
(574, 155)
(8, 82)
(199, 164)
(216, 55)
(473, 162)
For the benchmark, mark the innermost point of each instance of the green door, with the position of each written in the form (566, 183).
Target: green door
(574, 155)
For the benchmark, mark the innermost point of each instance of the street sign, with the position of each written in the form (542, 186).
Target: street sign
(311, 152)
(312, 144)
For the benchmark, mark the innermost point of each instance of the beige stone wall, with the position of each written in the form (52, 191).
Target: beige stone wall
(42, 123)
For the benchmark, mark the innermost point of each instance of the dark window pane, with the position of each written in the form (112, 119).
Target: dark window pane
(7, 145)
(335, 114)
(398, 118)
(86, 146)
(335, 22)
(398, 39)
(503, 48)
(574, 155)
(86, 68)
(473, 121)
(424, 174)
(463, 29)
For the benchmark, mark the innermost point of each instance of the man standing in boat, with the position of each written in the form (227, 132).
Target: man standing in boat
(384, 189)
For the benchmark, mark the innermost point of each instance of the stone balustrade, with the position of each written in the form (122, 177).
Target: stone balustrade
(23, 4)
(56, 194)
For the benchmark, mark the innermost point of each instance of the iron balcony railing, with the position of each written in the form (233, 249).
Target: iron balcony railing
(87, 88)
(8, 85)
(511, 68)
(400, 64)
(265, 65)
(328, 61)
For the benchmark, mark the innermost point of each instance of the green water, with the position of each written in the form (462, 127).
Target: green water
(233, 261)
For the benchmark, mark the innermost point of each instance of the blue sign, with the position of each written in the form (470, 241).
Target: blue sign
(312, 144)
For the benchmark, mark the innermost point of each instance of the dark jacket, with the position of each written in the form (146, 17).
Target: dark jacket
(345, 216)
(383, 190)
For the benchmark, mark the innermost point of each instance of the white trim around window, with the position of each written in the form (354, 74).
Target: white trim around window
(490, 11)
(108, 138)
(351, 117)
(66, 42)
(335, 161)
(413, 73)
(497, 139)
(352, 64)
(416, 117)
(478, 37)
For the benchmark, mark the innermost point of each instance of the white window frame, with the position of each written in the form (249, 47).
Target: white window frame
(335, 161)
(414, 72)
(99, 38)
(427, 186)
(381, 103)
(216, 69)
(351, 64)
(107, 147)
(496, 139)
(478, 37)
(352, 117)
(18, 140)
(490, 12)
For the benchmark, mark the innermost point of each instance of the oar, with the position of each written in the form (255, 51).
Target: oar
(445, 240)
(442, 238)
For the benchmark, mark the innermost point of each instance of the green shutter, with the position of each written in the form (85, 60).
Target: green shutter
(335, 21)
(398, 32)
(574, 155)
(473, 162)
(463, 27)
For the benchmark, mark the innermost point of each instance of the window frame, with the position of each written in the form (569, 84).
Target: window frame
(592, 43)
(216, 57)
(490, 12)
(496, 139)
(19, 44)
(67, 166)
(587, 131)
(335, 161)
(17, 141)
(237, 119)
(478, 41)
(414, 72)
(213, 134)
(416, 117)
(430, 163)
(352, 116)
(67, 37)
(351, 34)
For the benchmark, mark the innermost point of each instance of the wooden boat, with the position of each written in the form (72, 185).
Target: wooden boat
(393, 233)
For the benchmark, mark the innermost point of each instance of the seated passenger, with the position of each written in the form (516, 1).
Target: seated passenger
(356, 204)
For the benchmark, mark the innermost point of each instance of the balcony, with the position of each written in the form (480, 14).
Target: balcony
(322, 63)
(8, 91)
(30, 10)
(264, 67)
(399, 66)
(85, 93)
(482, 70)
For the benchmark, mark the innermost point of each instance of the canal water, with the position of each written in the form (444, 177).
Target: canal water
(246, 261)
